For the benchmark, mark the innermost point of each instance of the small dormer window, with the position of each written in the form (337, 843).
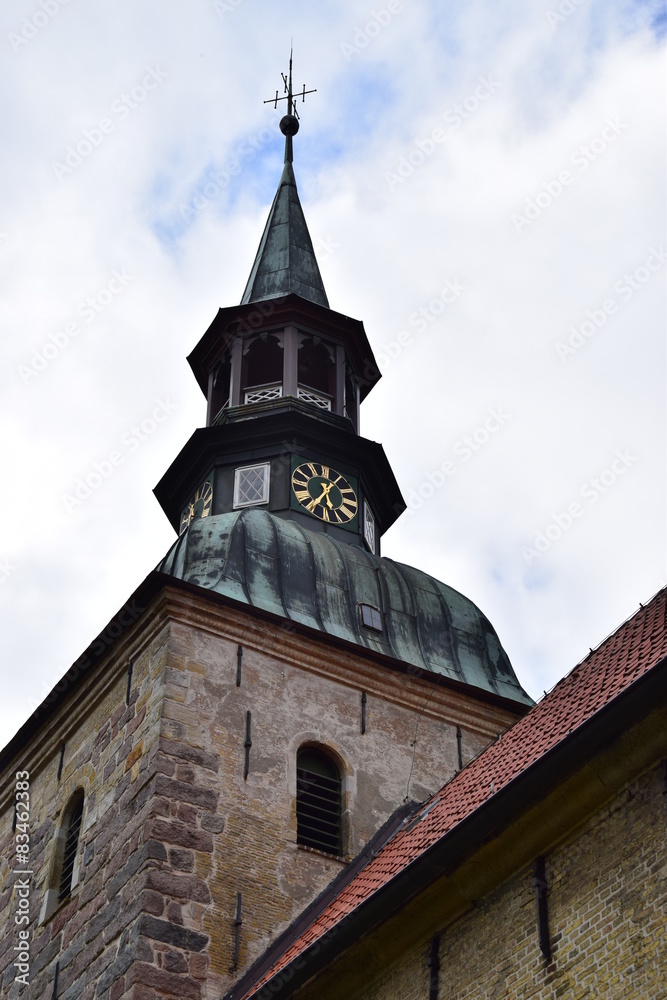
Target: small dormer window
(251, 485)
(371, 617)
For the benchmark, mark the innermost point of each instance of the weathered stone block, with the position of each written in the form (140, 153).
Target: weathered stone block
(181, 860)
(174, 961)
(174, 934)
(117, 989)
(170, 983)
(99, 922)
(152, 902)
(215, 824)
(187, 887)
(179, 834)
(186, 813)
(196, 755)
(198, 965)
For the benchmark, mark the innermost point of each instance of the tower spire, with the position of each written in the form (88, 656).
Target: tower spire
(285, 260)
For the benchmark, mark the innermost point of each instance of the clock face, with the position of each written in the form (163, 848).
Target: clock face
(324, 492)
(199, 506)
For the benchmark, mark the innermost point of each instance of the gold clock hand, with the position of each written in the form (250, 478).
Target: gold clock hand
(315, 502)
(327, 489)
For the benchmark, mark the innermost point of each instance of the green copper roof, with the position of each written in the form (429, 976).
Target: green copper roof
(285, 261)
(274, 564)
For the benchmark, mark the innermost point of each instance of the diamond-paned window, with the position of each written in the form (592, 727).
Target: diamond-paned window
(371, 617)
(251, 485)
(369, 528)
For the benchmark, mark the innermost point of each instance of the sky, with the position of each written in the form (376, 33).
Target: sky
(484, 186)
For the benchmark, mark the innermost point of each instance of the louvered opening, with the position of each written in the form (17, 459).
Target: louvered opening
(71, 844)
(318, 811)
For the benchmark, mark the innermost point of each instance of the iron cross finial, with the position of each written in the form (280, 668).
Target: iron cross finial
(289, 95)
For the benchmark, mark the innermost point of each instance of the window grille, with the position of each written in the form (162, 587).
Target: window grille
(315, 397)
(263, 393)
(71, 845)
(251, 485)
(371, 617)
(318, 802)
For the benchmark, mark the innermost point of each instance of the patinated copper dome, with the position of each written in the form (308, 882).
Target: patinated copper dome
(274, 564)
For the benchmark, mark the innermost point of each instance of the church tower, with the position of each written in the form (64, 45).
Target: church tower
(284, 376)
(275, 696)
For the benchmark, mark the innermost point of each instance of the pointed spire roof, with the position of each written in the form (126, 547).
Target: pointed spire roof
(285, 260)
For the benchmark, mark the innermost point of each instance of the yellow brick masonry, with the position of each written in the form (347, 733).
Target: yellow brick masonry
(607, 912)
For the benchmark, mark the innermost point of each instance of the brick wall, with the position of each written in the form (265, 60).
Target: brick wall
(607, 912)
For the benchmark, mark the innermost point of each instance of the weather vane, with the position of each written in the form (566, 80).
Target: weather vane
(289, 123)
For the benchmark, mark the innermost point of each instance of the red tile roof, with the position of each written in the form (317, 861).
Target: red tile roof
(639, 644)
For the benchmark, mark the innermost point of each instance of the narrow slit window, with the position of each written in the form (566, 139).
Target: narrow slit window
(318, 802)
(369, 528)
(71, 845)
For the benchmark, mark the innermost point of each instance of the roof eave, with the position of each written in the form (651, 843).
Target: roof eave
(274, 311)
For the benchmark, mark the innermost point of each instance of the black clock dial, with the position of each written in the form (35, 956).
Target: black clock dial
(199, 506)
(324, 492)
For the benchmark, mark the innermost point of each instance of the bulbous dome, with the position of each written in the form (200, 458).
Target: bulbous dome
(274, 564)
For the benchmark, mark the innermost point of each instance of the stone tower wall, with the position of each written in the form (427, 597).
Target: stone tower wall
(172, 832)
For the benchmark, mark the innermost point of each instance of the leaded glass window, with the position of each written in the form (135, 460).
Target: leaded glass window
(251, 485)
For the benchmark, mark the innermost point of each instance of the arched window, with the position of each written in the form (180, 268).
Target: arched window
(263, 370)
(316, 374)
(318, 801)
(220, 388)
(71, 830)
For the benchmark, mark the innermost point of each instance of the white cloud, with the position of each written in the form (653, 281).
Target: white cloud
(392, 253)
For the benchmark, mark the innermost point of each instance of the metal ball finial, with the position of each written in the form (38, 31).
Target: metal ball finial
(289, 125)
